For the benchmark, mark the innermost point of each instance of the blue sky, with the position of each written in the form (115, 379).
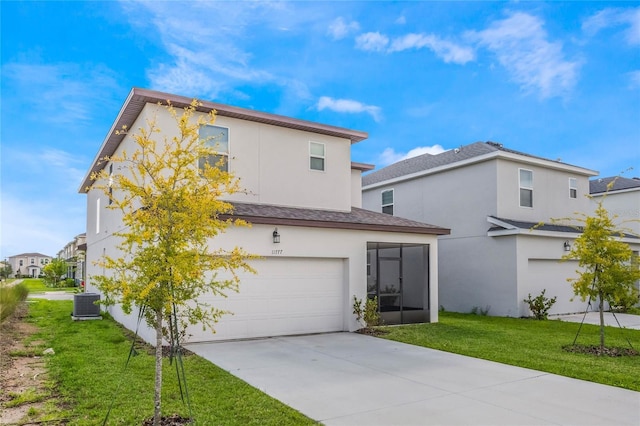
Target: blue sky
(554, 79)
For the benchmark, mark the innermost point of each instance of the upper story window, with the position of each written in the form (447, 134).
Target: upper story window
(21, 262)
(387, 201)
(526, 188)
(217, 138)
(573, 188)
(316, 156)
(33, 261)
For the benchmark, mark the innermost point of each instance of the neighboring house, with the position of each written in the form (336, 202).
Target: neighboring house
(28, 264)
(621, 197)
(74, 253)
(494, 200)
(301, 186)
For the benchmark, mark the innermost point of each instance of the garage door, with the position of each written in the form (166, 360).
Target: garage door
(287, 296)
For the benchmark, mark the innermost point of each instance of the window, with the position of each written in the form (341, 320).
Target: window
(217, 138)
(316, 156)
(573, 188)
(110, 184)
(387, 201)
(526, 188)
(21, 262)
(33, 261)
(98, 216)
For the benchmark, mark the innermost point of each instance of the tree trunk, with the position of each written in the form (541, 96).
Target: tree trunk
(601, 308)
(158, 382)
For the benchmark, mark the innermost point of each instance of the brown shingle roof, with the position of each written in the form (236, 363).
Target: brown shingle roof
(359, 219)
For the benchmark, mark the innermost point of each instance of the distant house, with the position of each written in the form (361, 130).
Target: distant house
(621, 197)
(28, 264)
(73, 254)
(494, 200)
(318, 247)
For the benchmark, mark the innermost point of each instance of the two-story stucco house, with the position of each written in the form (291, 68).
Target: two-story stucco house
(493, 199)
(28, 264)
(318, 247)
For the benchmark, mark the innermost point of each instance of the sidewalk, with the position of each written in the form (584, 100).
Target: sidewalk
(610, 319)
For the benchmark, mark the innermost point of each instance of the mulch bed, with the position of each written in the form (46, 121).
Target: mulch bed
(598, 351)
(174, 420)
(370, 331)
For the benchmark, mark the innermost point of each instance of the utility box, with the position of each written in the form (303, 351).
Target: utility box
(84, 306)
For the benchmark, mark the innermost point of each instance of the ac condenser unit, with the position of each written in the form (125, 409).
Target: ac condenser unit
(84, 306)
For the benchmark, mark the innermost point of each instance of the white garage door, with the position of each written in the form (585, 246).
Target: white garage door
(287, 296)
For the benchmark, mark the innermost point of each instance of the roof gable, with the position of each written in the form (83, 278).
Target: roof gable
(138, 98)
(457, 157)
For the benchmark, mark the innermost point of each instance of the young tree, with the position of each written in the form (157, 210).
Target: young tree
(53, 271)
(6, 270)
(170, 209)
(609, 269)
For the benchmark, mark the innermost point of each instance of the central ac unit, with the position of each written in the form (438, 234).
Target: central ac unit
(84, 305)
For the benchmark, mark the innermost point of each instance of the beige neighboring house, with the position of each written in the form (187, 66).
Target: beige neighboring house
(28, 264)
(319, 249)
(74, 254)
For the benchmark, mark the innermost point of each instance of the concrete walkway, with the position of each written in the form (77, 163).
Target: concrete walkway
(352, 379)
(610, 319)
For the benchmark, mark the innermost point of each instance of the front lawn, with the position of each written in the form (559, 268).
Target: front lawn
(88, 373)
(529, 343)
(37, 285)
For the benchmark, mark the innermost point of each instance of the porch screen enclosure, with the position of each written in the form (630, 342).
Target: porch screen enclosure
(398, 275)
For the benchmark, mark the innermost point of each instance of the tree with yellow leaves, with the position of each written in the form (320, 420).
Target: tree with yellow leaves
(169, 192)
(609, 268)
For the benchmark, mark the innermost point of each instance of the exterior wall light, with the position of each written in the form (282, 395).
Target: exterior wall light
(276, 236)
(567, 246)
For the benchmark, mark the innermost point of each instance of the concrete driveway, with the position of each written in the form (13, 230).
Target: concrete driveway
(352, 379)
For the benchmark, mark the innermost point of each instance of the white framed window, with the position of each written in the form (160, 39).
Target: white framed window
(526, 187)
(316, 156)
(387, 201)
(217, 138)
(98, 216)
(573, 188)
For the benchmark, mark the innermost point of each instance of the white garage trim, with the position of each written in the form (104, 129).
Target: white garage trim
(287, 296)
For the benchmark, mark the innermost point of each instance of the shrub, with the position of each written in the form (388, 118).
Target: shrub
(367, 314)
(540, 305)
(10, 297)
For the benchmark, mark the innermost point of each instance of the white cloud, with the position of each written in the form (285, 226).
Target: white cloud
(448, 51)
(339, 29)
(634, 79)
(521, 45)
(374, 42)
(613, 17)
(390, 156)
(64, 92)
(401, 20)
(348, 106)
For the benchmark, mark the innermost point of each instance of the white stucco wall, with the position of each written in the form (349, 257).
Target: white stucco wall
(623, 204)
(550, 193)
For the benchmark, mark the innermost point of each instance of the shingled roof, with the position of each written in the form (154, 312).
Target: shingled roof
(359, 219)
(600, 185)
(427, 162)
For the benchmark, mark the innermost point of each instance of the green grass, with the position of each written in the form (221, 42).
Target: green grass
(529, 343)
(37, 285)
(87, 369)
(10, 297)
